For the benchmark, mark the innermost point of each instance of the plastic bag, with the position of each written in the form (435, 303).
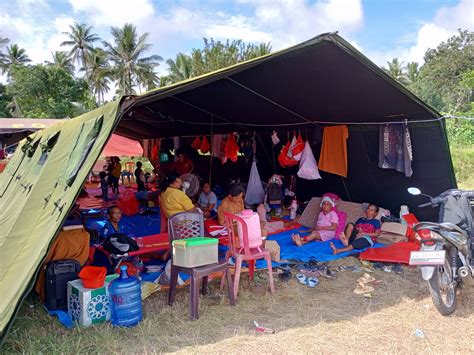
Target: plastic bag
(292, 145)
(205, 146)
(297, 150)
(283, 158)
(231, 149)
(255, 193)
(308, 168)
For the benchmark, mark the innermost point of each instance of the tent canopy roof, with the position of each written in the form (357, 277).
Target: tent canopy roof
(324, 79)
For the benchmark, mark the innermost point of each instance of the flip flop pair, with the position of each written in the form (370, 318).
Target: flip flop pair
(308, 281)
(365, 279)
(362, 289)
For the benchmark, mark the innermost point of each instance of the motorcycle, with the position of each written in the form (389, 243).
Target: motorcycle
(446, 255)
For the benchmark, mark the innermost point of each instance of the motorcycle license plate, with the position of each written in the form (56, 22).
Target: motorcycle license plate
(436, 257)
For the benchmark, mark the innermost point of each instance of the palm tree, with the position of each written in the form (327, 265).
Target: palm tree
(81, 39)
(99, 74)
(61, 60)
(395, 70)
(412, 72)
(13, 56)
(126, 53)
(180, 69)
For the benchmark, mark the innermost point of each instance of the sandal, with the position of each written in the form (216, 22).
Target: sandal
(301, 279)
(366, 278)
(312, 282)
(363, 288)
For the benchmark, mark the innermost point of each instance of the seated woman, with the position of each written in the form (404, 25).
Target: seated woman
(112, 225)
(326, 224)
(173, 200)
(232, 203)
(207, 201)
(362, 234)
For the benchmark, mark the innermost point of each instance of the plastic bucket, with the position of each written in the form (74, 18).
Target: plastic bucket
(93, 276)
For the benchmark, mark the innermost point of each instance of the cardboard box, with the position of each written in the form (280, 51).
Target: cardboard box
(274, 249)
(390, 238)
(395, 228)
(88, 306)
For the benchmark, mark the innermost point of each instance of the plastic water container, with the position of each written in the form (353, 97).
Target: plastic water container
(252, 221)
(126, 295)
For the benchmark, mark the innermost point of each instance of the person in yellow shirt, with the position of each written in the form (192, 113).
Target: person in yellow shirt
(173, 200)
(232, 203)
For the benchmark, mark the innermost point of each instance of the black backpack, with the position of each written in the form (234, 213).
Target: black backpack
(119, 244)
(274, 194)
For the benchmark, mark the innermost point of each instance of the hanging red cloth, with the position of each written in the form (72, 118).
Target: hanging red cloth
(154, 152)
(283, 158)
(231, 149)
(196, 143)
(205, 146)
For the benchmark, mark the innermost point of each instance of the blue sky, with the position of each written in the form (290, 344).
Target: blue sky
(381, 29)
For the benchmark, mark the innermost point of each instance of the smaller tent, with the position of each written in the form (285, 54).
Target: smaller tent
(121, 146)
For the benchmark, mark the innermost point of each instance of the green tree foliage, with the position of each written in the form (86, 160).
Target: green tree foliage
(5, 100)
(43, 91)
(131, 68)
(14, 55)
(180, 68)
(81, 40)
(412, 71)
(396, 70)
(439, 82)
(62, 60)
(99, 74)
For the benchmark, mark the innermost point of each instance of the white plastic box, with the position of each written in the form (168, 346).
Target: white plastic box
(193, 252)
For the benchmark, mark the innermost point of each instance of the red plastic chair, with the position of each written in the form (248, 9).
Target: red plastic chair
(244, 252)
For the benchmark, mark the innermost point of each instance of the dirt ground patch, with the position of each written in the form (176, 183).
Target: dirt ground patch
(327, 319)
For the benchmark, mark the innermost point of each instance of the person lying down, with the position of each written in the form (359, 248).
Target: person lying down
(362, 234)
(326, 225)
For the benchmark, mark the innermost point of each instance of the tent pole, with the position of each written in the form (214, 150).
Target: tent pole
(345, 188)
(211, 157)
(271, 101)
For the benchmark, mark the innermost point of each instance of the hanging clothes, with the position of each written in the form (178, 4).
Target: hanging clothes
(217, 147)
(255, 193)
(231, 149)
(308, 168)
(196, 143)
(176, 143)
(292, 146)
(205, 146)
(333, 157)
(395, 150)
(283, 158)
(275, 138)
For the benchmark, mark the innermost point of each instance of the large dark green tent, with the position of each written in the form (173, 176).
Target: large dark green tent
(321, 81)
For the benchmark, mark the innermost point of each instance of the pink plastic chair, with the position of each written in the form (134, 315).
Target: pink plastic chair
(244, 252)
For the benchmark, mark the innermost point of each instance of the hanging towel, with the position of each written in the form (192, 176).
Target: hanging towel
(395, 151)
(255, 193)
(298, 148)
(176, 143)
(333, 157)
(205, 146)
(308, 168)
(217, 150)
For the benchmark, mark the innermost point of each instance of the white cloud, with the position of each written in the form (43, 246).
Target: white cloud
(113, 12)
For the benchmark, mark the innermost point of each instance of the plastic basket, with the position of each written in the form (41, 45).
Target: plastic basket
(93, 276)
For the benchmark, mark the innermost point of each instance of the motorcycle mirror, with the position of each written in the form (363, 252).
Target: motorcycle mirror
(414, 191)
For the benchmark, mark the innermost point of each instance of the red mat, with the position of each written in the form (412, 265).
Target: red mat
(395, 253)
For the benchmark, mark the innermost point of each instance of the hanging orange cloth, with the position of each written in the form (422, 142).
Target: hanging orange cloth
(205, 146)
(333, 157)
(196, 143)
(231, 149)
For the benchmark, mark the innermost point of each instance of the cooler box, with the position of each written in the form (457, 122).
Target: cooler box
(194, 252)
(88, 306)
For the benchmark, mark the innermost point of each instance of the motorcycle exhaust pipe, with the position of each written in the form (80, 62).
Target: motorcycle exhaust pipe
(464, 271)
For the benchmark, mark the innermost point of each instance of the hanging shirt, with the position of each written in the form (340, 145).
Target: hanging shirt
(333, 157)
(174, 201)
(395, 151)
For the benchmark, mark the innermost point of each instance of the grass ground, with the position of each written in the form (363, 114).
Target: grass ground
(327, 319)
(463, 161)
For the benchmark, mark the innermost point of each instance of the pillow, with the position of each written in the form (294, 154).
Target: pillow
(342, 223)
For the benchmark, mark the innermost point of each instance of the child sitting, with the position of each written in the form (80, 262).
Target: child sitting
(362, 234)
(326, 224)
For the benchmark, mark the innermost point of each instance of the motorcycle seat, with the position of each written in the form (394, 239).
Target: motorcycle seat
(452, 227)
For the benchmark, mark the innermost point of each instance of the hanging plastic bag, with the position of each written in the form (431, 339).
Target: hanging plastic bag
(255, 193)
(196, 143)
(205, 146)
(298, 148)
(275, 138)
(308, 168)
(231, 149)
(292, 145)
(283, 158)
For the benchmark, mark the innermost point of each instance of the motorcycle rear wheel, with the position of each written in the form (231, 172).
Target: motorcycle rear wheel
(443, 289)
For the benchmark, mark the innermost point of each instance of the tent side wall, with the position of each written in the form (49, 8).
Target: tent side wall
(37, 189)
